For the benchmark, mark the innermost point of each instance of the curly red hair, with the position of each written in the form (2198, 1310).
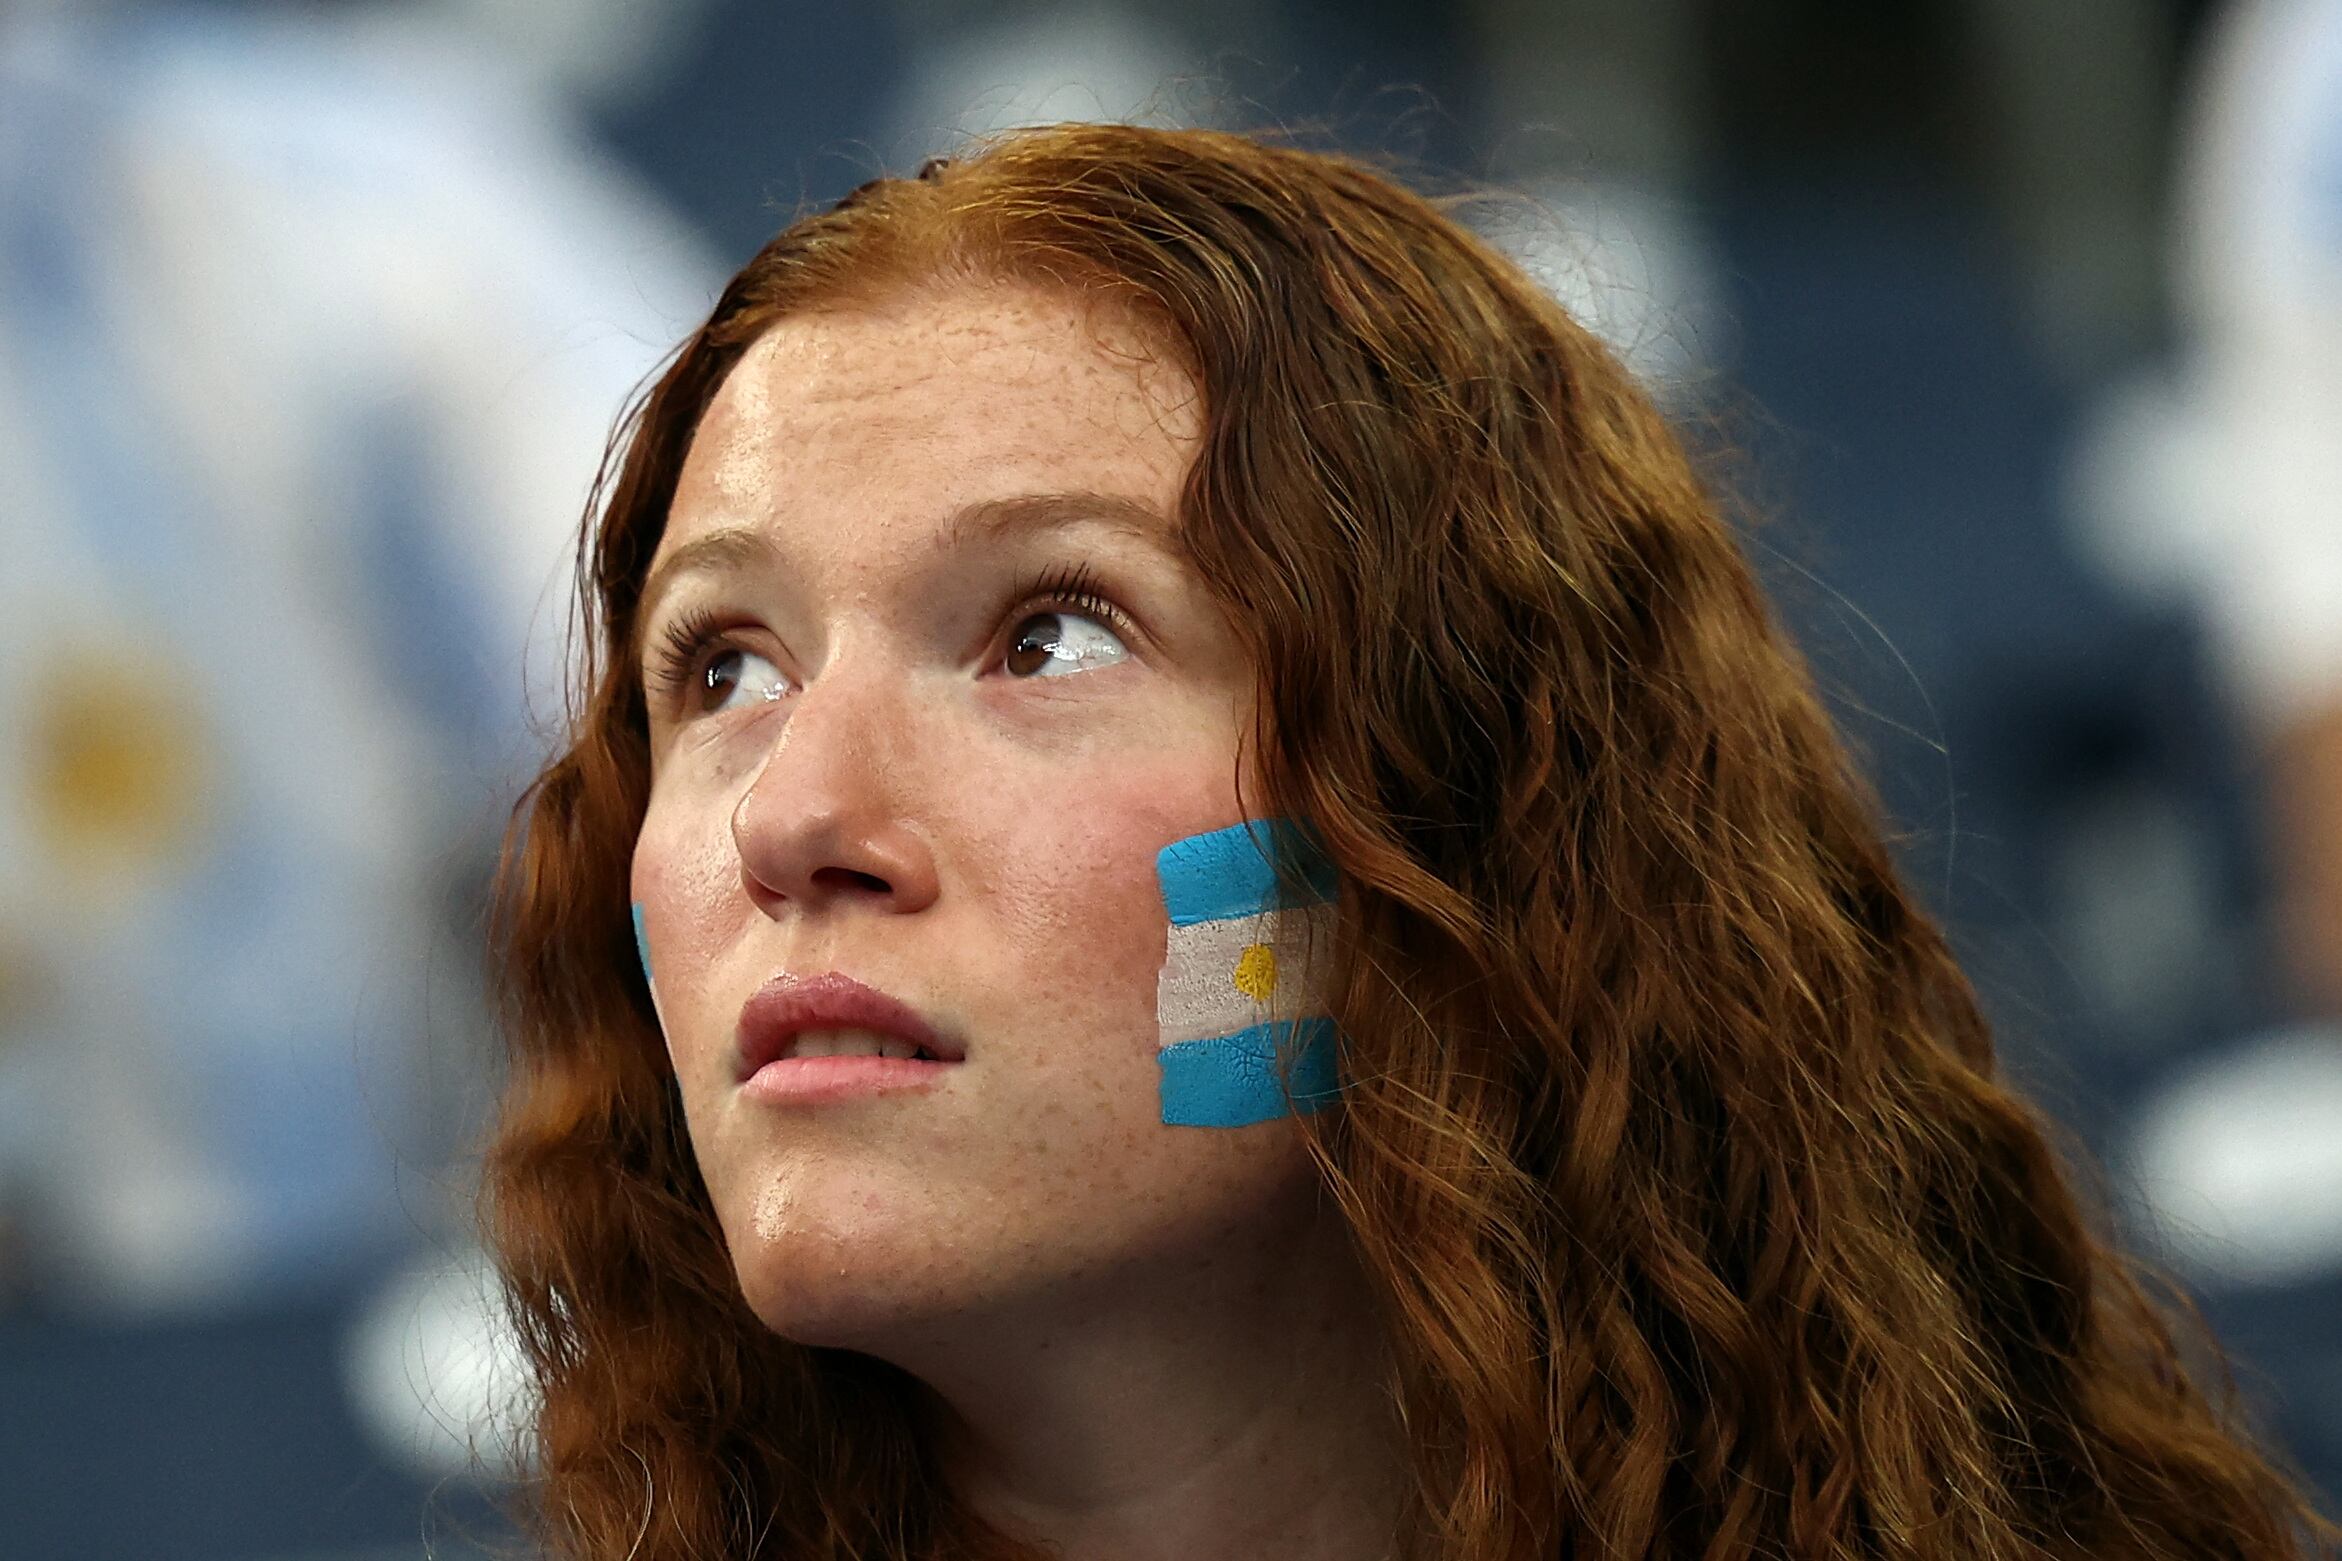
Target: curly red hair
(1671, 1138)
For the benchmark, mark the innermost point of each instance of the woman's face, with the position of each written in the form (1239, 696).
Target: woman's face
(886, 744)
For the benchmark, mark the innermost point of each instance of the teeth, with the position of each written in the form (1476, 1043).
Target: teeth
(850, 1043)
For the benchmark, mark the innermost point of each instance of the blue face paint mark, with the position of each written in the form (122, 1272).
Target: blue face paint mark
(1240, 1077)
(1225, 873)
(642, 948)
(1234, 1080)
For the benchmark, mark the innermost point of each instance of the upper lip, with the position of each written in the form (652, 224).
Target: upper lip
(786, 1005)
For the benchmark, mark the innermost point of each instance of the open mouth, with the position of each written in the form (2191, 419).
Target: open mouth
(800, 1035)
(852, 1043)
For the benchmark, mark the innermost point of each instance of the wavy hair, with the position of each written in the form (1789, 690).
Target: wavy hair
(1671, 1137)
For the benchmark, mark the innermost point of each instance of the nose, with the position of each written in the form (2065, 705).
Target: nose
(821, 822)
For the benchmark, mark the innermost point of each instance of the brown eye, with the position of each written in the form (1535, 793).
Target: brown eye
(734, 672)
(1052, 644)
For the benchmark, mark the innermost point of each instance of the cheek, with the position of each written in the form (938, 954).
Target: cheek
(685, 885)
(1080, 921)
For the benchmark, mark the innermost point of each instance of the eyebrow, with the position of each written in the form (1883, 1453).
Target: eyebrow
(984, 522)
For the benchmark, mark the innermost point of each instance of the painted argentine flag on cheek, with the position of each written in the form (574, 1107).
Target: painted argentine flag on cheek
(1245, 976)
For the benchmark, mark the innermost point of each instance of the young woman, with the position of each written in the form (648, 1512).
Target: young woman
(1193, 912)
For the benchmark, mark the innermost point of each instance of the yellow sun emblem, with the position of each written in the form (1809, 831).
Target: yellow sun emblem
(1256, 972)
(122, 766)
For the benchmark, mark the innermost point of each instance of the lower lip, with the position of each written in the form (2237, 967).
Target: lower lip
(811, 1081)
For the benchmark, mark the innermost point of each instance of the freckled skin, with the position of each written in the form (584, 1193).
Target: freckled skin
(1004, 831)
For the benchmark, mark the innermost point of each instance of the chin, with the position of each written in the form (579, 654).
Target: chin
(842, 1273)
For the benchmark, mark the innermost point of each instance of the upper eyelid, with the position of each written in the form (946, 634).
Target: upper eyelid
(1091, 600)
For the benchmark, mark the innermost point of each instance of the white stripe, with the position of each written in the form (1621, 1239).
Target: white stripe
(1197, 996)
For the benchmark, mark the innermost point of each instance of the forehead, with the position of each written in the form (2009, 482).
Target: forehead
(898, 415)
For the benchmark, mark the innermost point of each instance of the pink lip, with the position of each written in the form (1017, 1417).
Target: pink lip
(786, 1005)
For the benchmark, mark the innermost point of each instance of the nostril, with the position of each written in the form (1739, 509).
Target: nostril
(848, 878)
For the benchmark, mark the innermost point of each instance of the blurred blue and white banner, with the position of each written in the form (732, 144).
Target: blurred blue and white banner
(311, 332)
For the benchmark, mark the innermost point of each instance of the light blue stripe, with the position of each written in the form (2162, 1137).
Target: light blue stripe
(642, 948)
(1226, 873)
(1232, 1080)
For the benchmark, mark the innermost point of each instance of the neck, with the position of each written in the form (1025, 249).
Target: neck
(1237, 1410)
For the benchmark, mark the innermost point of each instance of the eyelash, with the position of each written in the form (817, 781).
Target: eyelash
(1068, 587)
(687, 637)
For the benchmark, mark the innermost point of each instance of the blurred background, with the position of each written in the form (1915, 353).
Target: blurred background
(2015, 329)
